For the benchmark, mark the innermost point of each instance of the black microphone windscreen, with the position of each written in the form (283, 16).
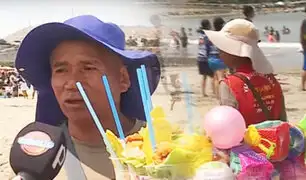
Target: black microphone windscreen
(39, 150)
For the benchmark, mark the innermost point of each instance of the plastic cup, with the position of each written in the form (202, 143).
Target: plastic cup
(129, 172)
(181, 171)
(160, 172)
(121, 171)
(122, 174)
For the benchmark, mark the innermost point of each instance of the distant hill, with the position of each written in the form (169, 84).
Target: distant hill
(18, 35)
(9, 45)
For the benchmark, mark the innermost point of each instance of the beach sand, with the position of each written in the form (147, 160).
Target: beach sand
(18, 112)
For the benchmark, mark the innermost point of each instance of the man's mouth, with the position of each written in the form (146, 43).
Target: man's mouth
(74, 101)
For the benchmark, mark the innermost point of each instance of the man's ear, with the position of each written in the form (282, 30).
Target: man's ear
(125, 82)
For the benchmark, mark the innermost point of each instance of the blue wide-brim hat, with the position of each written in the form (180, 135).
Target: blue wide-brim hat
(33, 62)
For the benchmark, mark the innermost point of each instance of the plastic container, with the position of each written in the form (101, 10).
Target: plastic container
(181, 171)
(214, 171)
(122, 171)
(154, 172)
(293, 169)
(247, 164)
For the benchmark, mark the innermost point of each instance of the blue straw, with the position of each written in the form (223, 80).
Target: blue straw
(113, 107)
(147, 88)
(96, 119)
(146, 108)
(187, 102)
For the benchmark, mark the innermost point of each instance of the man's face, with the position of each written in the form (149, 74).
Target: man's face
(85, 62)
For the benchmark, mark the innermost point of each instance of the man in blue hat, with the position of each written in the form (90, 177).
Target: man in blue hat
(54, 56)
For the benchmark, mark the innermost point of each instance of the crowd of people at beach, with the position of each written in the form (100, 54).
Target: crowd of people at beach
(179, 40)
(13, 85)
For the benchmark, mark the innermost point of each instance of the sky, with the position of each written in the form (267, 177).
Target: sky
(18, 14)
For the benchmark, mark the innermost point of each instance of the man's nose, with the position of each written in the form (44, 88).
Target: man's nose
(71, 82)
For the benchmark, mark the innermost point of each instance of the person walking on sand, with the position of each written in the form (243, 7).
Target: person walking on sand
(82, 49)
(303, 43)
(248, 12)
(203, 53)
(183, 38)
(215, 63)
(252, 89)
(158, 34)
(24, 89)
(24, 86)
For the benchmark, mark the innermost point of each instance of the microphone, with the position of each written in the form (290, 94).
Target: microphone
(38, 152)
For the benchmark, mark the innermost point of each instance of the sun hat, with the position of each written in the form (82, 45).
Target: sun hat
(32, 62)
(240, 37)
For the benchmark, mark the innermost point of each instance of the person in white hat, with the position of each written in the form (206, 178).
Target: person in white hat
(252, 88)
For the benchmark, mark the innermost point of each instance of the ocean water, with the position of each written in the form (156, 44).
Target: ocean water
(278, 20)
(282, 56)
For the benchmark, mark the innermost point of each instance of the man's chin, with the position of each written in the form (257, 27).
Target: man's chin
(79, 117)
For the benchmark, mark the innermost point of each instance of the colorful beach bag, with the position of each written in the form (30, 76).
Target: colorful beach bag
(275, 175)
(271, 138)
(297, 143)
(292, 169)
(247, 164)
(215, 63)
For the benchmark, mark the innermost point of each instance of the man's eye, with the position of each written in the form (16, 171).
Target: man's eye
(59, 70)
(90, 68)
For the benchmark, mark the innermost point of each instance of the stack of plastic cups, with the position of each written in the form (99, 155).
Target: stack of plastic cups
(119, 169)
(147, 105)
(129, 171)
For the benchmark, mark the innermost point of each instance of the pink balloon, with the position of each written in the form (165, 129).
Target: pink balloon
(225, 126)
